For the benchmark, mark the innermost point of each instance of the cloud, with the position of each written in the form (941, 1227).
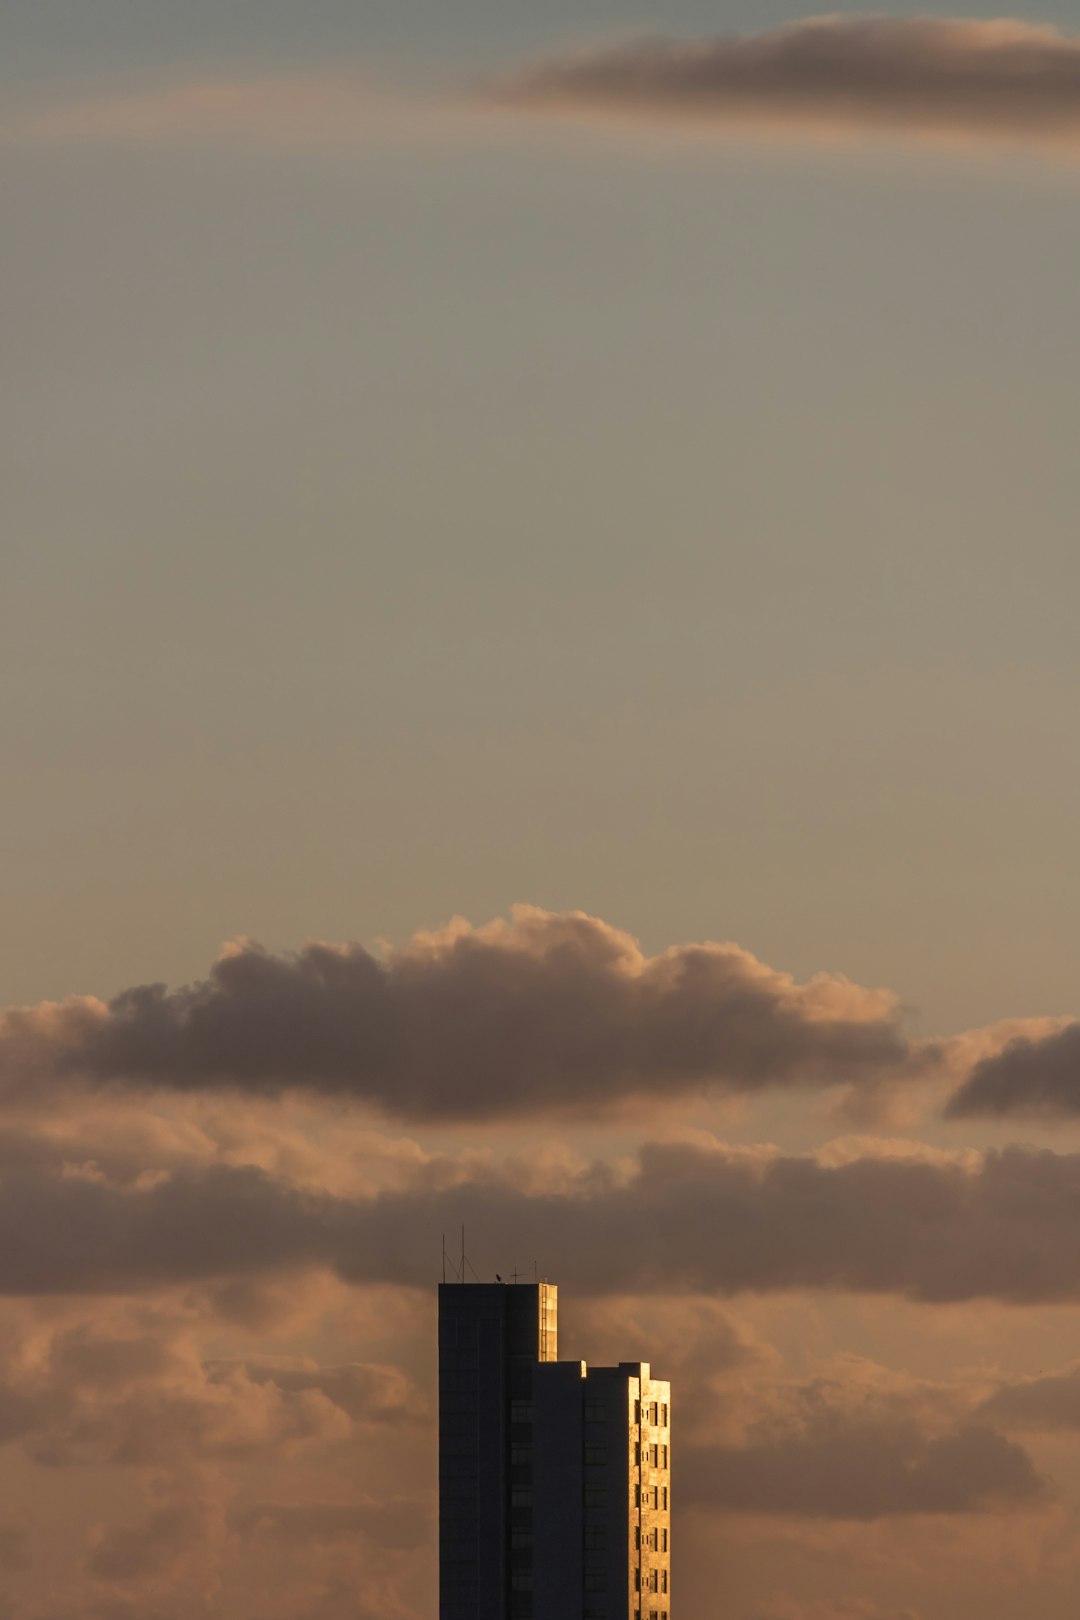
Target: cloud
(336, 108)
(543, 1012)
(1035, 1075)
(397, 1522)
(158, 1458)
(14, 1543)
(113, 1393)
(862, 1470)
(1047, 1404)
(152, 1549)
(920, 76)
(682, 1219)
(857, 1442)
(367, 1393)
(786, 1608)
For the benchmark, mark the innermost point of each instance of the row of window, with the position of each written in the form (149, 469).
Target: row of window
(521, 1455)
(596, 1496)
(655, 1540)
(597, 1456)
(521, 1580)
(644, 1456)
(654, 1412)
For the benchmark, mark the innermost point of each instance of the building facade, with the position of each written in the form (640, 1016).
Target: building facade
(554, 1477)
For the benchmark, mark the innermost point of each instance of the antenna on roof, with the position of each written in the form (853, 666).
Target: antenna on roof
(465, 1261)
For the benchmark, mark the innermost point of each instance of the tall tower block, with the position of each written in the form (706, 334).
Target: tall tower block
(554, 1477)
(491, 1336)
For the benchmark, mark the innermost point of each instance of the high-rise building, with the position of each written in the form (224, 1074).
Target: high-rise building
(554, 1477)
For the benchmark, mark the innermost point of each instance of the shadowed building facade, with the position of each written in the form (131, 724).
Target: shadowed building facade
(554, 1477)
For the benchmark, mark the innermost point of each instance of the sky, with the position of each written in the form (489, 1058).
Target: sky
(537, 599)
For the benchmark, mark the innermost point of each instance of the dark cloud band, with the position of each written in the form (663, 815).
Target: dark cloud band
(863, 1470)
(545, 1012)
(920, 74)
(1031, 1076)
(688, 1220)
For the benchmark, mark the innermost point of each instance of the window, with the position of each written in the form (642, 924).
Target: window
(596, 1496)
(521, 1411)
(521, 1580)
(458, 1445)
(520, 1454)
(654, 1496)
(665, 1496)
(654, 1456)
(595, 1412)
(654, 1413)
(654, 1540)
(637, 1580)
(664, 1416)
(663, 1456)
(596, 1456)
(637, 1496)
(663, 1541)
(654, 1580)
(595, 1580)
(663, 1580)
(637, 1411)
(521, 1538)
(637, 1455)
(637, 1538)
(521, 1496)
(595, 1537)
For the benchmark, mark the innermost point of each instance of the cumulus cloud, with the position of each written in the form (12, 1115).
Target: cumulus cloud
(542, 1012)
(118, 1394)
(367, 1393)
(1034, 1075)
(396, 1522)
(925, 76)
(856, 1442)
(170, 1454)
(683, 1219)
(153, 1548)
(1048, 1404)
(859, 1470)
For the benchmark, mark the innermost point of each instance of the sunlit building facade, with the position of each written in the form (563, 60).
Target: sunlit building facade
(554, 1477)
